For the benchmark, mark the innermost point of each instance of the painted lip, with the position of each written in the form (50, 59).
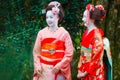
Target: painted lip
(49, 22)
(84, 22)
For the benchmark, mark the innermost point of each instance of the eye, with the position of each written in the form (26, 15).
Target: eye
(84, 16)
(51, 16)
(46, 17)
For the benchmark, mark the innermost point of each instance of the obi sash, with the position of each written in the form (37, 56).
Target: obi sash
(52, 51)
(86, 54)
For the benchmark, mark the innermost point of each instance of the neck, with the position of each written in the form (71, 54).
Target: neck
(53, 28)
(90, 27)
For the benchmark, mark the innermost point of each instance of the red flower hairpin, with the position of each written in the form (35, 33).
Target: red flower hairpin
(90, 7)
(100, 7)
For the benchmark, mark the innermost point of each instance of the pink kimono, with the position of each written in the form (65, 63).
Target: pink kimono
(53, 49)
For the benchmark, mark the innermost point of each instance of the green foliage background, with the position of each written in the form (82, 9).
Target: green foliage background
(20, 20)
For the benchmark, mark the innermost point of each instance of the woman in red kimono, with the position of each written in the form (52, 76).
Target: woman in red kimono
(53, 49)
(90, 66)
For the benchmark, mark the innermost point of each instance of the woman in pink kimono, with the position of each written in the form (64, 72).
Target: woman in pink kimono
(53, 49)
(90, 66)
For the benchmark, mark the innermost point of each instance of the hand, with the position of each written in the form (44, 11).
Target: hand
(81, 74)
(55, 69)
(39, 72)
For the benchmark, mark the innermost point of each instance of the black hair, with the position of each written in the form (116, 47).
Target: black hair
(97, 15)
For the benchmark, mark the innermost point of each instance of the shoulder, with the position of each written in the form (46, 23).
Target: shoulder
(97, 32)
(42, 31)
(85, 32)
(63, 30)
(97, 36)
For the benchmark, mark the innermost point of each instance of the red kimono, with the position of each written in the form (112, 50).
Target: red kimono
(92, 55)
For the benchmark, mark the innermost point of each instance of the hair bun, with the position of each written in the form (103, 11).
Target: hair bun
(103, 12)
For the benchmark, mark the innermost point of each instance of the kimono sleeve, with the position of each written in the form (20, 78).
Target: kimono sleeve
(36, 52)
(68, 52)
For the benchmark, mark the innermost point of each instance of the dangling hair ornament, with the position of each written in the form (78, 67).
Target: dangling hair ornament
(89, 8)
(55, 9)
(100, 7)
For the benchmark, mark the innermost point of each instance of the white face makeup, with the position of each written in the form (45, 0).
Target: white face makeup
(89, 23)
(84, 19)
(51, 19)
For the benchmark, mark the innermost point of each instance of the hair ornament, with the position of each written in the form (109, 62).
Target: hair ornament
(90, 7)
(43, 11)
(55, 9)
(100, 7)
(54, 3)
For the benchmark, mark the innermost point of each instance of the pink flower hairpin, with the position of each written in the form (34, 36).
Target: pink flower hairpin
(55, 3)
(55, 9)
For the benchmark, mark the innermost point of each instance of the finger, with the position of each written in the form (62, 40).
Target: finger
(80, 75)
(39, 72)
(55, 70)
